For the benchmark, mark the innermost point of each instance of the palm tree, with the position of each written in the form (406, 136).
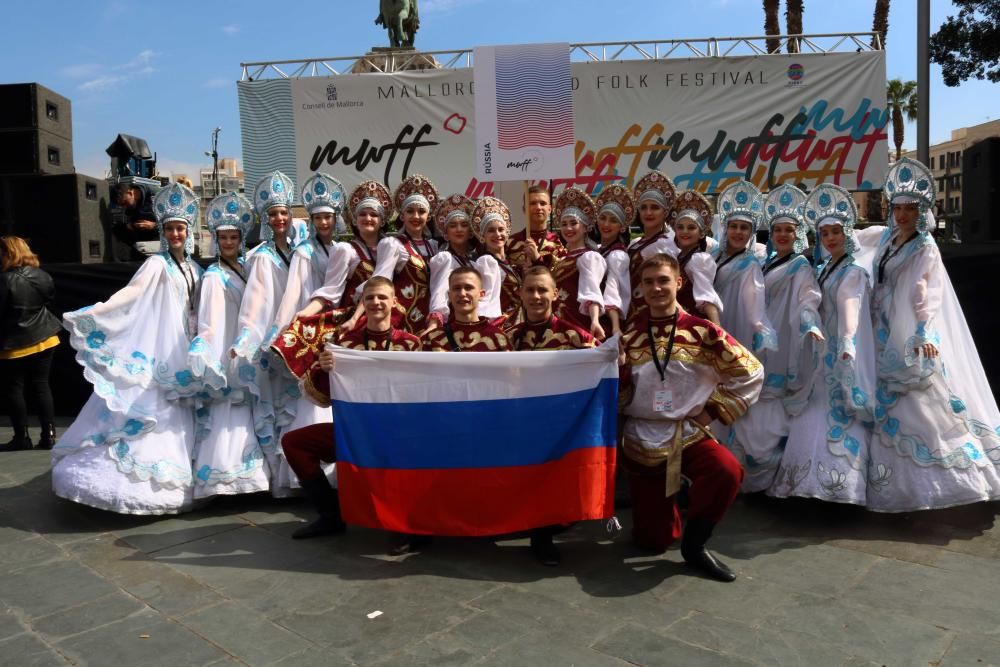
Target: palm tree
(880, 21)
(793, 22)
(771, 25)
(901, 98)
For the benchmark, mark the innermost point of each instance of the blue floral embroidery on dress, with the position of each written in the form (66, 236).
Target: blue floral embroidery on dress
(184, 378)
(95, 339)
(957, 405)
(852, 445)
(132, 427)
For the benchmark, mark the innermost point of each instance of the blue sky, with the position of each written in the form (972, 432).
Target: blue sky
(167, 71)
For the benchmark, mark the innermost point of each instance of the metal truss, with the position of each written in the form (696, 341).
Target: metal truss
(704, 47)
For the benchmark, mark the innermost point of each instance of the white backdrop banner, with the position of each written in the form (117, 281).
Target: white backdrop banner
(803, 119)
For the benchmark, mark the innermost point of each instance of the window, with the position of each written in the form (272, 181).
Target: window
(95, 248)
(956, 182)
(51, 111)
(941, 184)
(90, 190)
(932, 162)
(53, 155)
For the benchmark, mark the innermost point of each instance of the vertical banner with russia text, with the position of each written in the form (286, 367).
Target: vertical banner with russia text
(524, 112)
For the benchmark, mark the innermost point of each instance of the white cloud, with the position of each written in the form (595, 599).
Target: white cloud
(100, 78)
(218, 82)
(231, 29)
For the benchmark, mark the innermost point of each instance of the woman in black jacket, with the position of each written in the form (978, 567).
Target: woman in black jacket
(28, 337)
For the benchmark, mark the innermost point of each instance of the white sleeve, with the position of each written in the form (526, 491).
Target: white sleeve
(591, 267)
(258, 307)
(343, 260)
(493, 276)
(441, 266)
(701, 271)
(754, 305)
(661, 246)
(617, 286)
(208, 350)
(392, 257)
(805, 318)
(928, 290)
(850, 296)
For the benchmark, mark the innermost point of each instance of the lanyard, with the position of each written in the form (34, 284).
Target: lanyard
(366, 252)
(451, 338)
(661, 366)
(188, 280)
(730, 258)
(284, 259)
(775, 264)
(887, 256)
(828, 270)
(412, 242)
(322, 246)
(234, 269)
(383, 346)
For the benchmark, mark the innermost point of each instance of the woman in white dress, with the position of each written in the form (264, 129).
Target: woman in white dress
(937, 439)
(615, 209)
(453, 219)
(491, 225)
(691, 216)
(579, 273)
(323, 197)
(792, 298)
(228, 458)
(826, 455)
(739, 280)
(129, 450)
(267, 275)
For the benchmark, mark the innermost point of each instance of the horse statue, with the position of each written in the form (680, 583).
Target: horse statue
(401, 19)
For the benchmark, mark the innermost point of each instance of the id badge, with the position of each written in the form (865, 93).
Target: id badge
(663, 400)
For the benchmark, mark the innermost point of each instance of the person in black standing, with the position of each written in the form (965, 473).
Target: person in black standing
(28, 337)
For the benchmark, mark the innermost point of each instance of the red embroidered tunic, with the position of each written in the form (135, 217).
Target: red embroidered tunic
(480, 336)
(552, 334)
(550, 248)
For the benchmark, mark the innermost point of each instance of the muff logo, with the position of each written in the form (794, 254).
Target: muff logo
(796, 74)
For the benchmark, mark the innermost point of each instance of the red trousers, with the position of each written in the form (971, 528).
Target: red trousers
(308, 448)
(715, 477)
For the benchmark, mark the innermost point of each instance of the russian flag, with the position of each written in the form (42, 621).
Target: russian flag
(475, 443)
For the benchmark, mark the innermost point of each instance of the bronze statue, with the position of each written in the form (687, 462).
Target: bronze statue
(401, 19)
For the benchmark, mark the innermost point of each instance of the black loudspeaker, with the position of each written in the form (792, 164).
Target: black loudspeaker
(30, 106)
(981, 191)
(65, 218)
(30, 151)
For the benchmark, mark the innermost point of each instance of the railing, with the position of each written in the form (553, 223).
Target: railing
(704, 47)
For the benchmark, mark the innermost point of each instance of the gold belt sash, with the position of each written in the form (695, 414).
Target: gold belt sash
(668, 454)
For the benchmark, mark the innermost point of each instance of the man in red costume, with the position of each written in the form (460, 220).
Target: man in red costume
(679, 372)
(466, 331)
(541, 247)
(306, 449)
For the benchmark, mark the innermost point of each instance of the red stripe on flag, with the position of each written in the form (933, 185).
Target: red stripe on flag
(480, 501)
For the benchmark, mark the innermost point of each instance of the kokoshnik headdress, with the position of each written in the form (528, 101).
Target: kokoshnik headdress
(230, 211)
(176, 202)
(270, 192)
(321, 193)
(694, 206)
(784, 204)
(831, 204)
(373, 195)
(911, 182)
(455, 207)
(487, 210)
(417, 189)
(740, 201)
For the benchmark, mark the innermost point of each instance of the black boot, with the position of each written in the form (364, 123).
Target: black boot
(325, 499)
(696, 534)
(48, 438)
(20, 442)
(544, 550)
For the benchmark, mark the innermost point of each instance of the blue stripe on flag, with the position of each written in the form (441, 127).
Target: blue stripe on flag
(476, 434)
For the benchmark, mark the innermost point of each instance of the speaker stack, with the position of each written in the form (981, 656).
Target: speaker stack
(63, 214)
(981, 191)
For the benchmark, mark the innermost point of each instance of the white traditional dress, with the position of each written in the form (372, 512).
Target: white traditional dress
(267, 276)
(129, 450)
(228, 457)
(937, 439)
(826, 455)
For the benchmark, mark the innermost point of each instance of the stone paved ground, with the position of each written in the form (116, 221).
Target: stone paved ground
(819, 585)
